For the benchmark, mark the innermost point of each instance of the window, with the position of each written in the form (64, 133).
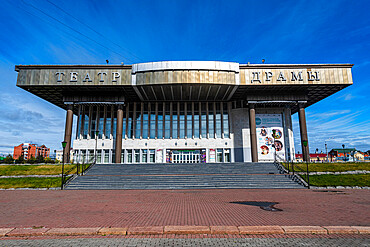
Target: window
(145, 121)
(160, 121)
(167, 119)
(189, 121)
(182, 121)
(137, 155)
(138, 121)
(86, 122)
(218, 120)
(204, 120)
(174, 121)
(152, 121)
(101, 122)
(152, 155)
(108, 123)
(106, 156)
(129, 156)
(226, 121)
(93, 122)
(144, 157)
(211, 128)
(196, 121)
(219, 154)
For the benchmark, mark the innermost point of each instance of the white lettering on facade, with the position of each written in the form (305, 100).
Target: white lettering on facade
(115, 76)
(281, 77)
(268, 75)
(73, 76)
(313, 77)
(102, 75)
(60, 75)
(256, 77)
(87, 78)
(297, 77)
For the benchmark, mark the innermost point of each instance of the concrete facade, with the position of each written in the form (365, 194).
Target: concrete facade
(184, 111)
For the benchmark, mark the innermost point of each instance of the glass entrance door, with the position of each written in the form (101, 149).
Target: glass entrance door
(186, 156)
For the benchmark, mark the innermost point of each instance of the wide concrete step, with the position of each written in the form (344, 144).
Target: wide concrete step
(183, 176)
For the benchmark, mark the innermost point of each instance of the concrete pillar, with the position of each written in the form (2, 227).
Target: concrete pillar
(303, 130)
(252, 127)
(119, 134)
(68, 134)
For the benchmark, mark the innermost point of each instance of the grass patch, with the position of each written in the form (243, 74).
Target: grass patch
(361, 180)
(333, 167)
(7, 183)
(16, 170)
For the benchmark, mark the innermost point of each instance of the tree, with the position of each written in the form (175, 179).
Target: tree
(8, 159)
(40, 159)
(20, 160)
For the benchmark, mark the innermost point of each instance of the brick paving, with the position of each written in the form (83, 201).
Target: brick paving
(190, 242)
(138, 208)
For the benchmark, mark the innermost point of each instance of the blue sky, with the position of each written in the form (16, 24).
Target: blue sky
(89, 32)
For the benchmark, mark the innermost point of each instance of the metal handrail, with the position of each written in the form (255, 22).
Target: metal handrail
(301, 170)
(80, 170)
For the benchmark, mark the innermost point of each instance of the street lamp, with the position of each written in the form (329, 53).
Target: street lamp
(344, 152)
(64, 144)
(326, 148)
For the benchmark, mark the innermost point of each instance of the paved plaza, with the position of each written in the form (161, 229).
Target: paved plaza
(134, 208)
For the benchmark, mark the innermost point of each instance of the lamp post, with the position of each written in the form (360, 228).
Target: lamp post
(326, 148)
(64, 144)
(305, 143)
(96, 145)
(344, 152)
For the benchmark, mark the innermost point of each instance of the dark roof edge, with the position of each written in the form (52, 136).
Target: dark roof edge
(283, 66)
(119, 66)
(73, 66)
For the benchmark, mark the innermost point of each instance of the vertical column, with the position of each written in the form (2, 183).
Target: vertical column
(68, 134)
(119, 134)
(303, 130)
(253, 135)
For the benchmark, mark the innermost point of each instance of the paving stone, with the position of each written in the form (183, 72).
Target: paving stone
(4, 231)
(224, 230)
(145, 230)
(113, 231)
(27, 232)
(165, 242)
(73, 231)
(341, 229)
(187, 230)
(304, 229)
(260, 230)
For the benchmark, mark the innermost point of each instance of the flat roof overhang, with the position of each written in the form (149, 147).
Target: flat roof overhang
(147, 84)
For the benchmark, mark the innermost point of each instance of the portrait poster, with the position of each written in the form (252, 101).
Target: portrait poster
(270, 133)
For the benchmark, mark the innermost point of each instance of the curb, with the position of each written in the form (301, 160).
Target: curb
(181, 230)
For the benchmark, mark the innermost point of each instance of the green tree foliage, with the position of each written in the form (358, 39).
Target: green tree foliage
(8, 159)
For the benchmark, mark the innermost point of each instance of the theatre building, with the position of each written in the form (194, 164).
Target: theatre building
(184, 112)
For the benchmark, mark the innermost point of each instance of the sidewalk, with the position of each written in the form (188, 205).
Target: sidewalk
(168, 212)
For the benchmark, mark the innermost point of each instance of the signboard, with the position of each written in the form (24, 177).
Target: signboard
(270, 137)
(212, 155)
(159, 156)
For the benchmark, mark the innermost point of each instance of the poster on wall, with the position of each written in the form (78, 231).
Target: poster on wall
(212, 155)
(270, 137)
(159, 156)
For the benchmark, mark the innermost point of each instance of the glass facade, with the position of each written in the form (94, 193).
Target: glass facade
(143, 120)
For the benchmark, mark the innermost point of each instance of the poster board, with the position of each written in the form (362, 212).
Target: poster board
(269, 129)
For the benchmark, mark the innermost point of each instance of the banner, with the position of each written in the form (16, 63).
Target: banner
(269, 134)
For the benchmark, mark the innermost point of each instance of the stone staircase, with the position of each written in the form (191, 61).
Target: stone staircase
(184, 176)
